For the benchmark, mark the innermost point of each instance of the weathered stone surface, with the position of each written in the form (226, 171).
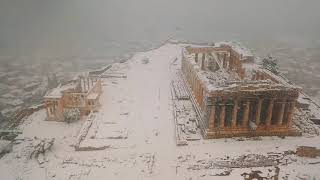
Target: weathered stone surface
(306, 151)
(234, 96)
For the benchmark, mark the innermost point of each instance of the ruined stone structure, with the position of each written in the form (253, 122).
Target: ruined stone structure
(82, 93)
(234, 96)
(306, 151)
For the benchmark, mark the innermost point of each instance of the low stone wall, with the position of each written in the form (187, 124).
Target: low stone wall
(306, 151)
(250, 133)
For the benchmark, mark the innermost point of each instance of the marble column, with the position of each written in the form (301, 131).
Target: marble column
(193, 82)
(224, 63)
(196, 89)
(233, 63)
(216, 66)
(290, 113)
(258, 111)
(225, 60)
(196, 57)
(202, 61)
(47, 107)
(88, 83)
(280, 115)
(270, 110)
(200, 96)
(212, 116)
(222, 115)
(245, 119)
(230, 64)
(258, 76)
(234, 114)
(81, 83)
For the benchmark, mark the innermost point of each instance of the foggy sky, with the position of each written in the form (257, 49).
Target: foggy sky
(68, 27)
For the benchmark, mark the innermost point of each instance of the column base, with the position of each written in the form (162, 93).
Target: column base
(246, 132)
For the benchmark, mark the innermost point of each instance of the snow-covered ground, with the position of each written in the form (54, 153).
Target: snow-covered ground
(135, 126)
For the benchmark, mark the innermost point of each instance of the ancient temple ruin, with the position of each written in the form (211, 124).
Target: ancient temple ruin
(234, 95)
(82, 93)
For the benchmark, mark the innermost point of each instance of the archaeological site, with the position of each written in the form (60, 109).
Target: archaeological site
(159, 90)
(82, 94)
(181, 111)
(236, 96)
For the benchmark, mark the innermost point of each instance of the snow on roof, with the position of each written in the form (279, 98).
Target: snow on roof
(279, 78)
(250, 69)
(222, 80)
(57, 92)
(93, 96)
(216, 80)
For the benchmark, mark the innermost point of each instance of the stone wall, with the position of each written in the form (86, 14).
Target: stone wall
(306, 151)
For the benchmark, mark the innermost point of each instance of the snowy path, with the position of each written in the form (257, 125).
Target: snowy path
(141, 103)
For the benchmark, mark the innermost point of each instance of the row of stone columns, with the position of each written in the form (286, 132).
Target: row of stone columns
(246, 112)
(228, 60)
(244, 121)
(225, 62)
(224, 57)
(196, 88)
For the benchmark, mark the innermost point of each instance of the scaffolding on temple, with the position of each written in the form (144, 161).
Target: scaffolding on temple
(234, 95)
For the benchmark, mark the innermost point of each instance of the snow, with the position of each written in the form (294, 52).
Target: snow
(93, 96)
(250, 69)
(57, 92)
(136, 126)
(280, 79)
(238, 47)
(4, 145)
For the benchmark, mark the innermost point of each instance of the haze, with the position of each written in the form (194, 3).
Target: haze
(112, 27)
(159, 89)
